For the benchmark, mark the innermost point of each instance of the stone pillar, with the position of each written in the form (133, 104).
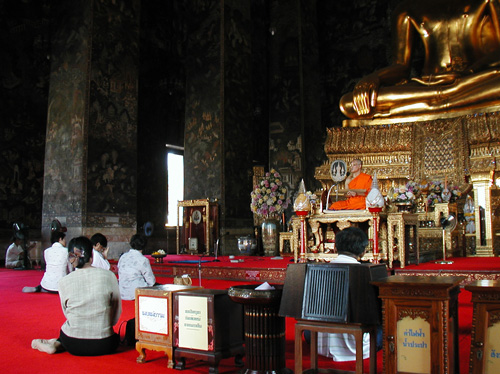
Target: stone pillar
(226, 98)
(295, 85)
(91, 150)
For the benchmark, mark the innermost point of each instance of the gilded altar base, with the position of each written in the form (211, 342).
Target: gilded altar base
(461, 150)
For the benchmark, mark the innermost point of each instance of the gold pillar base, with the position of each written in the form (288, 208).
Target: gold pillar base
(484, 252)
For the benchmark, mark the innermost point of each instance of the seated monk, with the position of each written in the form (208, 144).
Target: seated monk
(359, 185)
(461, 70)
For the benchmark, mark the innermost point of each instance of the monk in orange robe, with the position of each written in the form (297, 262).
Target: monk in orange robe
(359, 185)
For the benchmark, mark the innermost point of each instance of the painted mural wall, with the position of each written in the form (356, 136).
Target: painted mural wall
(112, 136)
(203, 127)
(66, 127)
(91, 160)
(24, 84)
(180, 77)
(161, 113)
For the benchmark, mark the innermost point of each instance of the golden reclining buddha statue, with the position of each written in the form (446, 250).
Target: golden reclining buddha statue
(461, 69)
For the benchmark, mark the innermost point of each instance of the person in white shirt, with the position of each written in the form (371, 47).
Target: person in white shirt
(16, 256)
(134, 269)
(100, 251)
(90, 300)
(351, 245)
(56, 264)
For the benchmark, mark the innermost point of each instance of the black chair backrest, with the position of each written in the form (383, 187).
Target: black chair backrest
(326, 293)
(333, 292)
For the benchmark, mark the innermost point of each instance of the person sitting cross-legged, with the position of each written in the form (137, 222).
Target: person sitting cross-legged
(358, 184)
(16, 256)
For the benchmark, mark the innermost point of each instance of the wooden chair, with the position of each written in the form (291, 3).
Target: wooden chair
(355, 329)
(333, 298)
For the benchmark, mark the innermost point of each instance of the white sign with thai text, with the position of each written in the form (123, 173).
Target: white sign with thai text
(153, 314)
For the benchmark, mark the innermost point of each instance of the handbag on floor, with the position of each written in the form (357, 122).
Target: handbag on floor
(129, 337)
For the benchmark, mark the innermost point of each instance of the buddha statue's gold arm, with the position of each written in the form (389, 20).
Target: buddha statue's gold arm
(461, 40)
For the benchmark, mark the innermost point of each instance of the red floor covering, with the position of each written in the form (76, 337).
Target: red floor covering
(28, 316)
(461, 264)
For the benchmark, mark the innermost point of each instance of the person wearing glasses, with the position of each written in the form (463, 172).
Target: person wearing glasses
(91, 303)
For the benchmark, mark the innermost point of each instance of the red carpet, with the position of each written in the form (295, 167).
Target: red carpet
(461, 264)
(29, 316)
(472, 268)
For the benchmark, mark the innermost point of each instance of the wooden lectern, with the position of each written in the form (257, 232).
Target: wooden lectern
(420, 324)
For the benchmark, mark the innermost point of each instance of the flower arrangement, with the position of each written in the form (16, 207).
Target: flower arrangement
(433, 198)
(436, 189)
(269, 196)
(407, 193)
(455, 194)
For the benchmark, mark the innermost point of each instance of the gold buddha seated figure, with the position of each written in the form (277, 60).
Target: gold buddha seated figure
(461, 40)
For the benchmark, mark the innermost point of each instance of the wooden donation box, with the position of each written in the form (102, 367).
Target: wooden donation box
(153, 319)
(333, 298)
(420, 324)
(208, 326)
(200, 226)
(485, 339)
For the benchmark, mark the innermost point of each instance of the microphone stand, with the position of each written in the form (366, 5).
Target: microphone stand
(216, 248)
(199, 272)
(216, 251)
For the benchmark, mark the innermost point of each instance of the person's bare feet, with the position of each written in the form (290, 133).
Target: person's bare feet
(50, 346)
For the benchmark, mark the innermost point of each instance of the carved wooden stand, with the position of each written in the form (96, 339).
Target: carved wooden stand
(420, 324)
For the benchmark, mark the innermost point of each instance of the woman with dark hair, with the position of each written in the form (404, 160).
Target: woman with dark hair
(91, 302)
(16, 256)
(56, 264)
(100, 252)
(351, 245)
(134, 269)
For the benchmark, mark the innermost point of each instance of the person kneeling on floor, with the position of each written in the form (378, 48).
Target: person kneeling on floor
(91, 303)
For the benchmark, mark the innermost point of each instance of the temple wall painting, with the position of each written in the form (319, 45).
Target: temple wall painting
(112, 138)
(202, 142)
(92, 114)
(24, 83)
(179, 85)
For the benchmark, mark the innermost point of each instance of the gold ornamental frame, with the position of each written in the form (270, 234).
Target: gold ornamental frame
(205, 218)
